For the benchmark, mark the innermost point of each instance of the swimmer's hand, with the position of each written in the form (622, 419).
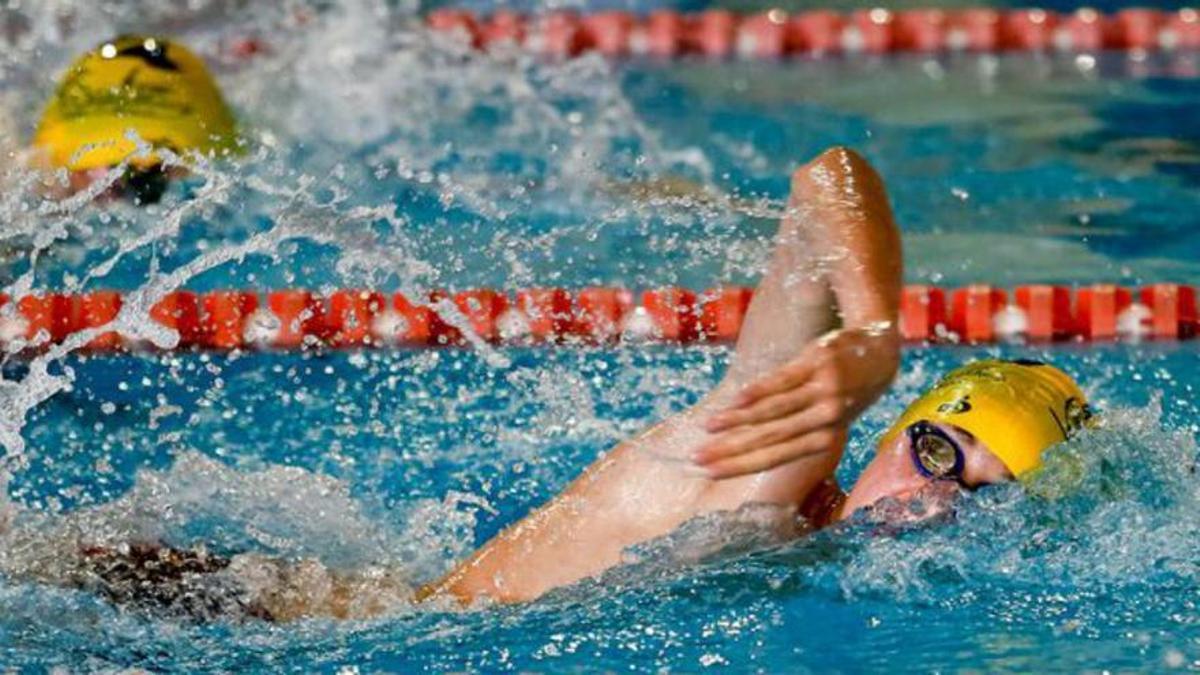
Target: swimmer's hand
(805, 406)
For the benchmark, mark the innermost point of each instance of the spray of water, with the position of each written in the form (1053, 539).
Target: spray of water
(377, 155)
(380, 156)
(438, 121)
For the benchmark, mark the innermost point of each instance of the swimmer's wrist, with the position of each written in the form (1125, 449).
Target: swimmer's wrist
(883, 332)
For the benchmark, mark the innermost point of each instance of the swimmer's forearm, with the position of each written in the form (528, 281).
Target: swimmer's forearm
(836, 262)
(637, 491)
(555, 545)
(628, 496)
(800, 383)
(844, 213)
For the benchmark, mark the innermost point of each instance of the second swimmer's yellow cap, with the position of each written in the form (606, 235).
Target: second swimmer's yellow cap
(157, 88)
(1017, 408)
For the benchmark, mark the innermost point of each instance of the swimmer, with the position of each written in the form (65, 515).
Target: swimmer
(818, 346)
(130, 89)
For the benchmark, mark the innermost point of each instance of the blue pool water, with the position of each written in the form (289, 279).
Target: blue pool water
(430, 167)
(415, 459)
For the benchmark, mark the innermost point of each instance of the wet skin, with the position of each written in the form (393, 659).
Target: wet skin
(819, 341)
(138, 185)
(182, 582)
(818, 344)
(893, 474)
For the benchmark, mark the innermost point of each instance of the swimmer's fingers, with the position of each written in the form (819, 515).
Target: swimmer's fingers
(751, 439)
(848, 368)
(773, 407)
(814, 444)
(787, 377)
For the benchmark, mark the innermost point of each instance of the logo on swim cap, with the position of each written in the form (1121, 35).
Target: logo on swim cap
(1017, 408)
(955, 407)
(158, 89)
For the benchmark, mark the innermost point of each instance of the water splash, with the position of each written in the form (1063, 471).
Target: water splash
(440, 121)
(434, 165)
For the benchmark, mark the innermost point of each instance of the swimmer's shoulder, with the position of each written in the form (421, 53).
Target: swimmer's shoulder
(822, 505)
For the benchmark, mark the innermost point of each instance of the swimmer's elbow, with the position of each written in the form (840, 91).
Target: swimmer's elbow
(847, 194)
(841, 155)
(837, 171)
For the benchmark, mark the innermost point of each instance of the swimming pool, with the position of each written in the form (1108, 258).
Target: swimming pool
(433, 167)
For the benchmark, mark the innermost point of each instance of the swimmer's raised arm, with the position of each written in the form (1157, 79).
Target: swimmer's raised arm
(840, 218)
(649, 485)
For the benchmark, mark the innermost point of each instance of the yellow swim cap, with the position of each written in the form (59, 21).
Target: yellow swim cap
(1017, 408)
(155, 87)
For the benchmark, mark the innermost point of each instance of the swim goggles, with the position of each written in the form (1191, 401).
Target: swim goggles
(935, 454)
(142, 185)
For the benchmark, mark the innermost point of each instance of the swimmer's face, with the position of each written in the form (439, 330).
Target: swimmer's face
(893, 474)
(139, 186)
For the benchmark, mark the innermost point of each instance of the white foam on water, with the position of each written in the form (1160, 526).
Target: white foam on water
(1117, 506)
(356, 74)
(329, 154)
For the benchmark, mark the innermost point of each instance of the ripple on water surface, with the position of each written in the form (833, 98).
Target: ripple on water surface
(379, 158)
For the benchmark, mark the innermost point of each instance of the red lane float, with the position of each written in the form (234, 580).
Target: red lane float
(975, 30)
(672, 313)
(774, 34)
(661, 35)
(460, 24)
(357, 318)
(713, 33)
(608, 32)
(1134, 28)
(558, 35)
(287, 320)
(411, 324)
(44, 317)
(503, 29)
(95, 310)
(722, 311)
(179, 311)
(441, 317)
(482, 309)
(922, 30)
(1046, 311)
(351, 317)
(223, 316)
(600, 313)
(868, 31)
(974, 310)
(1098, 311)
(1082, 31)
(1172, 310)
(1027, 29)
(1180, 30)
(922, 313)
(763, 36)
(816, 33)
(541, 315)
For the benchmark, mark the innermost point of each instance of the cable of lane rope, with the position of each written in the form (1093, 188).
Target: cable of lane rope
(352, 318)
(775, 33)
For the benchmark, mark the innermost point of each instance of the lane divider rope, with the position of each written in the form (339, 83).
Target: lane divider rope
(353, 318)
(775, 33)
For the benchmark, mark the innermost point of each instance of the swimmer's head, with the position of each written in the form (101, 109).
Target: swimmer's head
(985, 422)
(153, 87)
